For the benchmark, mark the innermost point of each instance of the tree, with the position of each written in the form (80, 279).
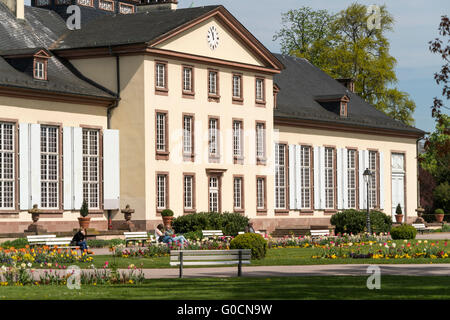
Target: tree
(345, 47)
(436, 159)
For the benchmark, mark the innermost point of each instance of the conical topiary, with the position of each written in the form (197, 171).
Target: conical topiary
(84, 211)
(398, 210)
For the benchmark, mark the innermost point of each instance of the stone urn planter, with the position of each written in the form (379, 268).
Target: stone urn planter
(439, 215)
(167, 216)
(84, 220)
(128, 225)
(35, 227)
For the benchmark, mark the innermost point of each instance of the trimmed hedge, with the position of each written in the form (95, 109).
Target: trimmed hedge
(252, 241)
(354, 221)
(229, 223)
(402, 232)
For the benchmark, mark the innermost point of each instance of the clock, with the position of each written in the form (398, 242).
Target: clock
(213, 37)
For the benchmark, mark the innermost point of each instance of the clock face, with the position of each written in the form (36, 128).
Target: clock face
(213, 37)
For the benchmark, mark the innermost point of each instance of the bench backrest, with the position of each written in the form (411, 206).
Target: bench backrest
(419, 225)
(136, 235)
(210, 257)
(320, 232)
(40, 239)
(58, 241)
(209, 233)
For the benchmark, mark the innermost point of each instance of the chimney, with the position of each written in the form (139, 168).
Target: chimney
(348, 83)
(16, 7)
(156, 5)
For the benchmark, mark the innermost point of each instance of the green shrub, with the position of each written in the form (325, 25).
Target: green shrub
(398, 210)
(17, 243)
(167, 213)
(229, 223)
(354, 221)
(98, 243)
(252, 241)
(439, 211)
(84, 210)
(404, 231)
(193, 235)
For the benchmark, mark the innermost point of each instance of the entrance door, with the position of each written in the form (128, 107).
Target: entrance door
(398, 193)
(398, 183)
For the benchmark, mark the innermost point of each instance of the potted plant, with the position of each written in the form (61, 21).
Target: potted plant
(439, 214)
(167, 216)
(398, 214)
(84, 220)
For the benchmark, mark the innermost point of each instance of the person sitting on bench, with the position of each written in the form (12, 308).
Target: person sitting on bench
(79, 240)
(168, 236)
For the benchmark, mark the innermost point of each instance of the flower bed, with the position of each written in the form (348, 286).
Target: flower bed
(308, 241)
(20, 275)
(42, 256)
(383, 250)
(162, 249)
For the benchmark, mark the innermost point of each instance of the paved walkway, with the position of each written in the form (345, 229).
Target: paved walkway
(295, 271)
(434, 236)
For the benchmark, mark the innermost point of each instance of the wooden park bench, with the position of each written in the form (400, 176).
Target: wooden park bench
(138, 236)
(420, 227)
(319, 233)
(51, 240)
(39, 240)
(209, 258)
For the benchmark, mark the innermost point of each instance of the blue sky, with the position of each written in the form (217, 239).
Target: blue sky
(416, 23)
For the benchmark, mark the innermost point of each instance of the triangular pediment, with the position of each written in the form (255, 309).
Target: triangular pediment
(230, 41)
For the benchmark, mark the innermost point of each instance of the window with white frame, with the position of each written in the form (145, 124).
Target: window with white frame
(161, 139)
(305, 177)
(280, 176)
(189, 192)
(352, 176)
(91, 163)
(212, 83)
(329, 178)
(39, 69)
(161, 75)
(237, 139)
(161, 191)
(187, 79)
(237, 193)
(7, 166)
(260, 89)
(260, 193)
(50, 167)
(213, 137)
(214, 194)
(237, 86)
(373, 185)
(187, 135)
(260, 141)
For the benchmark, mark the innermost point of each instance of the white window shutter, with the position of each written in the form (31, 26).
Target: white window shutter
(24, 163)
(362, 185)
(77, 163)
(316, 178)
(111, 169)
(35, 164)
(345, 178)
(322, 177)
(68, 167)
(298, 178)
(292, 178)
(340, 183)
(382, 162)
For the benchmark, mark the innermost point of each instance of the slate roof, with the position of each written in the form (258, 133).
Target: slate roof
(121, 29)
(40, 29)
(302, 83)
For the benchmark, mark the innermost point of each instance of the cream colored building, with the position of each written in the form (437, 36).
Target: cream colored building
(206, 120)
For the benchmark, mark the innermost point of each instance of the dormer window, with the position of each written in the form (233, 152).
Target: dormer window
(40, 69)
(343, 111)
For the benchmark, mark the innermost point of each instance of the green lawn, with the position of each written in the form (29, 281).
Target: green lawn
(295, 288)
(274, 257)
